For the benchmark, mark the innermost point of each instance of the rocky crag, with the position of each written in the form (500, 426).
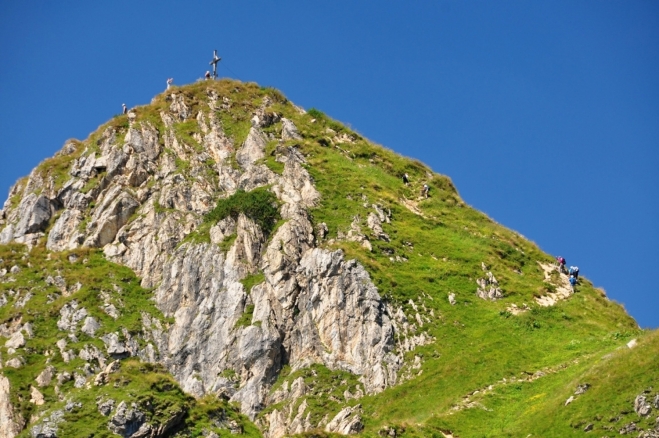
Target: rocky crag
(245, 254)
(126, 193)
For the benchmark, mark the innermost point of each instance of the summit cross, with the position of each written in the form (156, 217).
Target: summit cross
(214, 62)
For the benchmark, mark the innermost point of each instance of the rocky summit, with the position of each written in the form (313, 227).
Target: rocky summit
(222, 262)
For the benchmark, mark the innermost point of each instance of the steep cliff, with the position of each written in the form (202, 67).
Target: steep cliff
(241, 253)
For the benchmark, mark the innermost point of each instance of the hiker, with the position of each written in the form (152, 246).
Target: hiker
(207, 76)
(125, 110)
(561, 264)
(406, 179)
(573, 281)
(425, 190)
(170, 81)
(576, 272)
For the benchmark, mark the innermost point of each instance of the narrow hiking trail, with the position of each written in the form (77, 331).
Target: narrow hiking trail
(563, 288)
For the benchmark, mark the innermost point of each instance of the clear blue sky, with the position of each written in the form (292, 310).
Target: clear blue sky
(544, 114)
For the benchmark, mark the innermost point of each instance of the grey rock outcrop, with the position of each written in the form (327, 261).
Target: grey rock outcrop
(46, 376)
(348, 421)
(105, 406)
(65, 234)
(642, 406)
(17, 340)
(128, 422)
(253, 149)
(90, 326)
(29, 219)
(375, 224)
(35, 212)
(11, 422)
(288, 130)
(488, 288)
(110, 216)
(70, 316)
(48, 427)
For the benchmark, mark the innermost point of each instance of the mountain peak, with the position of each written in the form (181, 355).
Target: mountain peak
(235, 248)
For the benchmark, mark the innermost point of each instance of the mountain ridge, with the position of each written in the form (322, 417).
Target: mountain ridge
(358, 278)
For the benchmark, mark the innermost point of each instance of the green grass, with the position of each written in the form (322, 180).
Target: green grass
(58, 166)
(478, 342)
(245, 319)
(227, 243)
(260, 205)
(15, 200)
(201, 234)
(185, 130)
(252, 280)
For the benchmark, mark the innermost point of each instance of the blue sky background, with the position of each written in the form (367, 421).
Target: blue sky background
(544, 114)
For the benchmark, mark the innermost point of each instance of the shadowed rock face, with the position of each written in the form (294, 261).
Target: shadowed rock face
(132, 199)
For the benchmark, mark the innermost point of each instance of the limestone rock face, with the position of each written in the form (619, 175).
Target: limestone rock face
(346, 422)
(65, 234)
(10, 423)
(642, 406)
(253, 149)
(126, 421)
(35, 211)
(110, 216)
(488, 288)
(289, 130)
(330, 289)
(32, 215)
(137, 193)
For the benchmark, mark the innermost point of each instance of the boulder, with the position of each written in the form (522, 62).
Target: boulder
(35, 212)
(127, 421)
(109, 217)
(46, 376)
(90, 326)
(642, 406)
(289, 130)
(17, 340)
(253, 149)
(11, 422)
(347, 422)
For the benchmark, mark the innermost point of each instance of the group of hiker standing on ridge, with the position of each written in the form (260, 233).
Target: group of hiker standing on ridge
(425, 190)
(207, 75)
(572, 271)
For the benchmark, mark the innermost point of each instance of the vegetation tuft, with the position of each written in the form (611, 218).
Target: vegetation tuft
(260, 205)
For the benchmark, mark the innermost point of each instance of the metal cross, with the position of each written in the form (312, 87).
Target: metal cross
(214, 62)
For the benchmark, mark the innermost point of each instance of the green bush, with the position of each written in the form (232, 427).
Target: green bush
(260, 205)
(316, 114)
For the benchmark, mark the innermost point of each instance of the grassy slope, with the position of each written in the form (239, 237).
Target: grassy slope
(478, 343)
